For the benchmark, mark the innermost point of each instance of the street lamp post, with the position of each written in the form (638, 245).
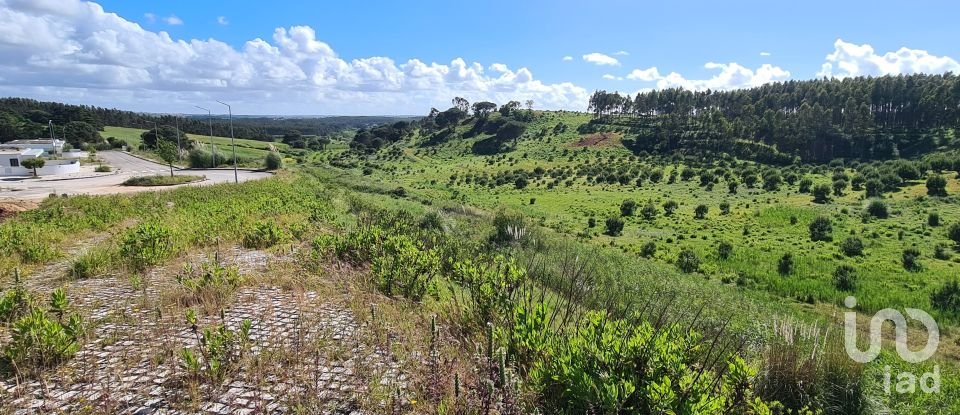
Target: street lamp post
(213, 151)
(236, 178)
(176, 119)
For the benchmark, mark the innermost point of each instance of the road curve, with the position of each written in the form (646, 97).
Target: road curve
(124, 167)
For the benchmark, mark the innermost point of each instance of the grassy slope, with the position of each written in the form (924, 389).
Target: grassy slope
(884, 283)
(252, 150)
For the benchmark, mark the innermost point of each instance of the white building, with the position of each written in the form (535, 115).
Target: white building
(49, 146)
(11, 162)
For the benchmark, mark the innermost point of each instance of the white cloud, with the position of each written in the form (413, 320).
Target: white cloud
(173, 20)
(764, 53)
(150, 17)
(601, 59)
(621, 53)
(649, 74)
(222, 20)
(849, 59)
(77, 52)
(732, 76)
(567, 58)
(610, 77)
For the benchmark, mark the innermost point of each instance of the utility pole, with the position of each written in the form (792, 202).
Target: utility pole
(213, 150)
(236, 177)
(179, 149)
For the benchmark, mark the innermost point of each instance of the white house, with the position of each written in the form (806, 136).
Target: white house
(47, 145)
(11, 163)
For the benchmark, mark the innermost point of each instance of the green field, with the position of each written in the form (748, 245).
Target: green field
(758, 224)
(249, 152)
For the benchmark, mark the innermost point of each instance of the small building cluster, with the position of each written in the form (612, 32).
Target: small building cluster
(56, 162)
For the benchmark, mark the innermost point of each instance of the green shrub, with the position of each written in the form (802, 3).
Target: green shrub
(874, 188)
(947, 297)
(508, 228)
(648, 249)
(821, 229)
(821, 193)
(43, 338)
(785, 264)
(147, 244)
(649, 212)
(911, 260)
(936, 185)
(16, 301)
(724, 250)
(688, 261)
(933, 219)
(611, 366)
(953, 232)
(103, 168)
(668, 207)
(94, 262)
(404, 267)
(218, 352)
(614, 226)
(161, 180)
(878, 209)
(210, 281)
(492, 283)
(724, 208)
(852, 246)
(845, 278)
(805, 185)
(265, 234)
(942, 252)
(273, 161)
(700, 211)
(628, 207)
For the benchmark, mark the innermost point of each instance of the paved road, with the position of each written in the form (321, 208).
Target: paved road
(125, 166)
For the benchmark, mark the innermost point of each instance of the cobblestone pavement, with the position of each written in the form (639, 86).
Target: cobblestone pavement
(306, 353)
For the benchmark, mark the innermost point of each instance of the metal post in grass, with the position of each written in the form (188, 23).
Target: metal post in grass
(213, 151)
(236, 178)
(176, 119)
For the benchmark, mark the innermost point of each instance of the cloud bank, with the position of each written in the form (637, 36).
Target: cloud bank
(848, 59)
(64, 49)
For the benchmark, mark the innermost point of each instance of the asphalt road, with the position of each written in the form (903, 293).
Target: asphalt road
(124, 166)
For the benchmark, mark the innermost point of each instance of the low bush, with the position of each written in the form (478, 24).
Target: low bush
(218, 352)
(404, 267)
(845, 278)
(265, 234)
(821, 229)
(911, 260)
(43, 337)
(852, 246)
(724, 250)
(688, 261)
(162, 180)
(147, 244)
(947, 297)
(209, 283)
(785, 264)
(614, 226)
(648, 249)
(878, 209)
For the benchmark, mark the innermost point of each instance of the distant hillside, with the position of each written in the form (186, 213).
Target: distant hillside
(27, 118)
(818, 120)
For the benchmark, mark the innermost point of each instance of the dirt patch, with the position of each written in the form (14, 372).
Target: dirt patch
(9, 209)
(601, 139)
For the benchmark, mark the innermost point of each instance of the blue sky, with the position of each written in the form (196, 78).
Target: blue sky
(356, 58)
